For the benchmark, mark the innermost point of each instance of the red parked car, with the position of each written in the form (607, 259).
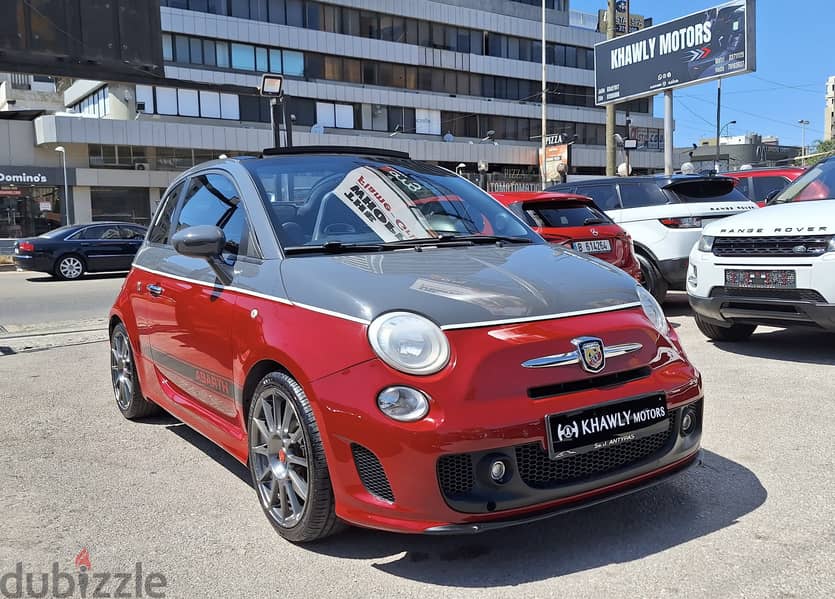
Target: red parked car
(385, 345)
(762, 184)
(575, 221)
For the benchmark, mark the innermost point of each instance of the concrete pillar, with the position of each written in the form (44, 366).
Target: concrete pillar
(82, 204)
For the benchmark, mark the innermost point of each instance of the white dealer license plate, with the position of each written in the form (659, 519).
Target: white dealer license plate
(596, 246)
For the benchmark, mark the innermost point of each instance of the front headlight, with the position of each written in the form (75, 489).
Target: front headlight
(831, 246)
(653, 311)
(706, 243)
(409, 342)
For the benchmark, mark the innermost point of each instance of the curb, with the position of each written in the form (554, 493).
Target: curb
(7, 268)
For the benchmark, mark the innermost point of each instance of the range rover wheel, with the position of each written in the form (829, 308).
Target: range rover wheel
(287, 461)
(736, 332)
(653, 280)
(126, 387)
(69, 267)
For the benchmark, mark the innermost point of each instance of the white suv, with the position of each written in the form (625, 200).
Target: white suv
(664, 215)
(774, 266)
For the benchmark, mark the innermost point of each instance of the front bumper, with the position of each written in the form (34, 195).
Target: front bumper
(726, 310)
(810, 302)
(389, 475)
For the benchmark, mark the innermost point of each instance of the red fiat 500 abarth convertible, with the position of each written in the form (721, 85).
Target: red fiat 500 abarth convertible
(576, 222)
(385, 345)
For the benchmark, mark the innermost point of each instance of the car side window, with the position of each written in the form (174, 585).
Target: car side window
(638, 195)
(131, 233)
(101, 232)
(765, 185)
(161, 228)
(605, 196)
(212, 199)
(743, 186)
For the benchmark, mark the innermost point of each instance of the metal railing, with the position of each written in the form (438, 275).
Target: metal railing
(21, 81)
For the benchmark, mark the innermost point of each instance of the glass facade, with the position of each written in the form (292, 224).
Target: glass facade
(26, 211)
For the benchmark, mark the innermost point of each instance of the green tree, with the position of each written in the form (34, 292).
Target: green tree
(823, 149)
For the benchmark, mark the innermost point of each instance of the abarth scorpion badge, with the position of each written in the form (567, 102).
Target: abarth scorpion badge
(590, 349)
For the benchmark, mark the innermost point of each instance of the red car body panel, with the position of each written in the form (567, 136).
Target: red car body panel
(789, 173)
(479, 401)
(621, 255)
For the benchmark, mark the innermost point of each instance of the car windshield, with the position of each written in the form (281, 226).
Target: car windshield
(818, 183)
(57, 233)
(702, 190)
(343, 202)
(560, 214)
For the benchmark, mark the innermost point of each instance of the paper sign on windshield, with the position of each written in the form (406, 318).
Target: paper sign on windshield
(383, 207)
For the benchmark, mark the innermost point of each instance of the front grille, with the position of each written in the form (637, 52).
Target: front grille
(541, 472)
(371, 472)
(797, 246)
(798, 295)
(594, 382)
(455, 474)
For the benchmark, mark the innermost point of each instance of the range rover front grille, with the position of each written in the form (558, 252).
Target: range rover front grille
(798, 246)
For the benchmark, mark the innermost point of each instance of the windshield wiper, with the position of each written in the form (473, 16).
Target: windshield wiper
(334, 247)
(457, 240)
(593, 220)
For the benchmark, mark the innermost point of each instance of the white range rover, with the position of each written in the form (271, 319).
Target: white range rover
(774, 266)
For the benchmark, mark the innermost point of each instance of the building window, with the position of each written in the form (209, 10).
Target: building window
(128, 204)
(293, 63)
(243, 57)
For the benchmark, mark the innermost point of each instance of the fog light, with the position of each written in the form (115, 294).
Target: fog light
(403, 403)
(498, 470)
(693, 276)
(688, 421)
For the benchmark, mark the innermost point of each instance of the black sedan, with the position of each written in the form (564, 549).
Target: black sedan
(69, 252)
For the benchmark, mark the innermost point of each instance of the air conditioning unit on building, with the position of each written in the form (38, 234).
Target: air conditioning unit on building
(142, 166)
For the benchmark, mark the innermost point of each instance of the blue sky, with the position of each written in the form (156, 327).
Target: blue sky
(793, 61)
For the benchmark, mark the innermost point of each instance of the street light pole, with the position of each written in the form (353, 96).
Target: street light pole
(61, 150)
(803, 123)
(544, 125)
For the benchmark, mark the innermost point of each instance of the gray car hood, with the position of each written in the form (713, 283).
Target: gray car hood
(457, 287)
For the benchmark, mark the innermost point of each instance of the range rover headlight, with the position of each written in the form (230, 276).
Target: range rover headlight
(409, 342)
(831, 246)
(706, 243)
(653, 311)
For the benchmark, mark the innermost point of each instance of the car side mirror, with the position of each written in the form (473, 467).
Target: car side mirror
(771, 195)
(203, 241)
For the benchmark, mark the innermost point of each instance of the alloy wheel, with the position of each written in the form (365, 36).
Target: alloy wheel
(280, 458)
(70, 268)
(121, 369)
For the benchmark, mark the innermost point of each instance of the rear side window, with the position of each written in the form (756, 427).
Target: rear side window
(101, 232)
(605, 196)
(640, 194)
(720, 190)
(132, 232)
(742, 184)
(213, 200)
(765, 185)
(561, 214)
(161, 228)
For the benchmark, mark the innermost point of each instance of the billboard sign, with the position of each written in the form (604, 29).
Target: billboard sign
(715, 42)
(117, 40)
(557, 159)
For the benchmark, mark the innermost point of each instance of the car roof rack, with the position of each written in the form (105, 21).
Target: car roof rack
(334, 150)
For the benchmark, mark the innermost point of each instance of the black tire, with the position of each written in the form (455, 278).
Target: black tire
(653, 280)
(735, 332)
(129, 399)
(69, 267)
(274, 452)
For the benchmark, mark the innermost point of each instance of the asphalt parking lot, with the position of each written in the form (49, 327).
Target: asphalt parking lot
(755, 519)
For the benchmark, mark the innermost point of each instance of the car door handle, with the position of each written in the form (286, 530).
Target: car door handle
(155, 290)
